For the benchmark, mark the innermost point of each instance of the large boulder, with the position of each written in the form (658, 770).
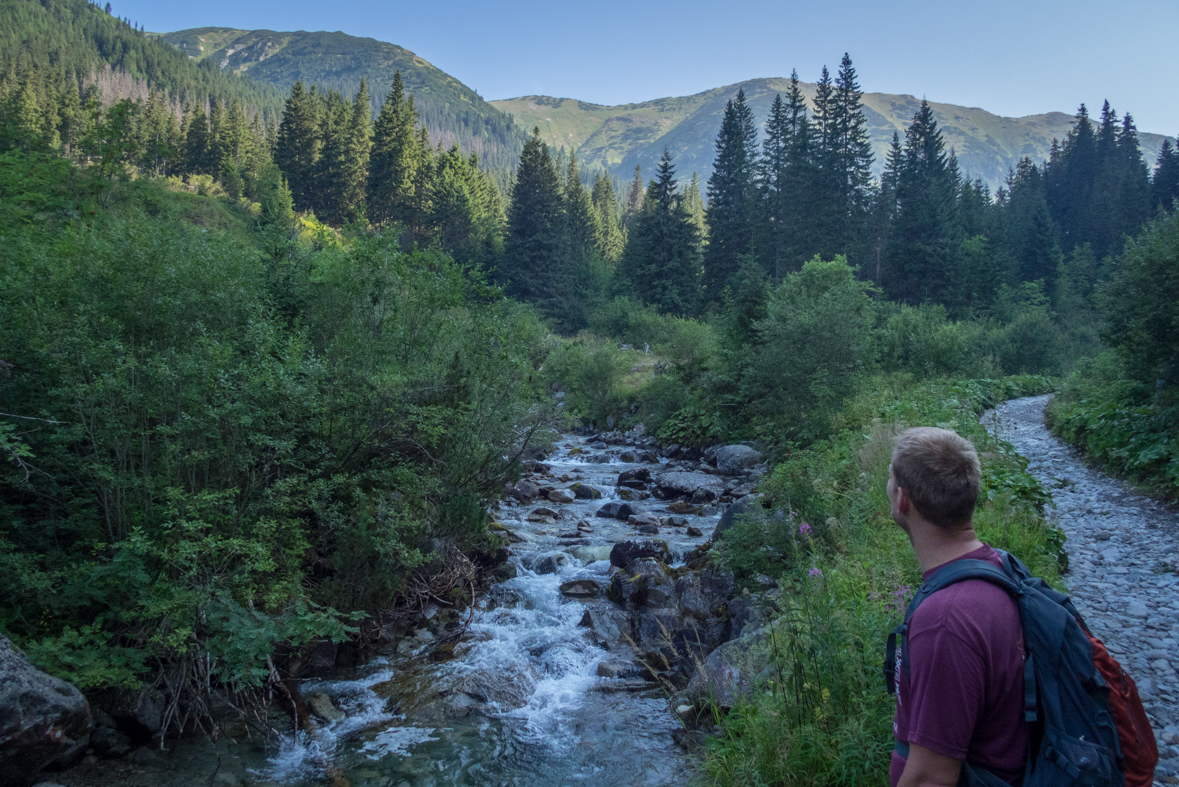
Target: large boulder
(729, 517)
(615, 510)
(735, 459)
(43, 720)
(688, 483)
(141, 711)
(732, 670)
(625, 552)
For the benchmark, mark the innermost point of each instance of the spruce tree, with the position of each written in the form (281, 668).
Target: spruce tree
(298, 147)
(773, 185)
(354, 167)
(662, 260)
(1031, 235)
(394, 158)
(634, 197)
(532, 269)
(1068, 180)
(605, 201)
(850, 152)
(1165, 185)
(924, 235)
(582, 229)
(731, 197)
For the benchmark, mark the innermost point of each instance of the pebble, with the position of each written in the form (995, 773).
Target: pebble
(1132, 606)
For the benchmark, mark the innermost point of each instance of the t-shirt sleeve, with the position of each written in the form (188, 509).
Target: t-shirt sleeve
(948, 688)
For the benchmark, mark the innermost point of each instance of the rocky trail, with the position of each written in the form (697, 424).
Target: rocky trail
(1123, 554)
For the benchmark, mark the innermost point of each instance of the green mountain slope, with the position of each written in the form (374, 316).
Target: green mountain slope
(617, 138)
(451, 111)
(78, 41)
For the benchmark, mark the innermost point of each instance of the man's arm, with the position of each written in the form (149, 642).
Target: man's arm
(927, 768)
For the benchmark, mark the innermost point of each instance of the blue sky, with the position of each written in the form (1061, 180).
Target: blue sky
(1010, 58)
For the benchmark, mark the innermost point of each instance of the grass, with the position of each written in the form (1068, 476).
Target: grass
(823, 718)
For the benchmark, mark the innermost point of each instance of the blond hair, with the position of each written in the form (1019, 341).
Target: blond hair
(939, 470)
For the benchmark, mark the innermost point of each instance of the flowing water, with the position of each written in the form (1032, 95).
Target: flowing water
(521, 703)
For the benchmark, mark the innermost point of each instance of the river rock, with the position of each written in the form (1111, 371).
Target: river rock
(615, 510)
(735, 459)
(580, 588)
(549, 563)
(585, 492)
(640, 476)
(687, 483)
(694, 532)
(731, 671)
(608, 626)
(526, 491)
(683, 507)
(642, 519)
(43, 720)
(141, 711)
(591, 554)
(619, 669)
(625, 552)
(730, 515)
(561, 496)
(107, 742)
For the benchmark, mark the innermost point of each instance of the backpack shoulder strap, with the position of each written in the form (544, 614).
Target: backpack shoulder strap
(950, 574)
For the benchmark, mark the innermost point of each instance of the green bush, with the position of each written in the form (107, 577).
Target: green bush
(820, 715)
(224, 452)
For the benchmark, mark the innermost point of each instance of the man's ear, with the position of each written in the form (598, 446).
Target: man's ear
(904, 502)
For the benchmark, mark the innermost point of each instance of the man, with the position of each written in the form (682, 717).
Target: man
(960, 698)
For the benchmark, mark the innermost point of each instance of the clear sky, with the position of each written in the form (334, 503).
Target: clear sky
(1010, 57)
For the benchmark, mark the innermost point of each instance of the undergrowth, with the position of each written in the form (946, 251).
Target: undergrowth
(820, 714)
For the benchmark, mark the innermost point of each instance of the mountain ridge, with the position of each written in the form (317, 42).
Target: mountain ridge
(450, 110)
(616, 138)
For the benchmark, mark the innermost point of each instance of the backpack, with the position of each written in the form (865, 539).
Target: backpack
(1088, 726)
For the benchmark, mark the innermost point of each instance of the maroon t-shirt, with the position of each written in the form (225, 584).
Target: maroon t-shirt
(963, 694)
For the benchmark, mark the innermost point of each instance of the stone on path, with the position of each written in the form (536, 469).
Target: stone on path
(1122, 548)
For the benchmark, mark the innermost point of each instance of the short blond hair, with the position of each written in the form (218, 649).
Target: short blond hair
(939, 470)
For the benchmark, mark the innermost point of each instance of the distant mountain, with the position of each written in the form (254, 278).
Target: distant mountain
(79, 41)
(619, 137)
(451, 111)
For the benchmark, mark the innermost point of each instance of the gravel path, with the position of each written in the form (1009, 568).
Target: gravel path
(1123, 548)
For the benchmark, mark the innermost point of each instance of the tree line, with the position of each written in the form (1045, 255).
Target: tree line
(925, 232)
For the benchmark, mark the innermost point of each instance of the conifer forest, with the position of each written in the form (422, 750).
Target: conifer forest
(287, 372)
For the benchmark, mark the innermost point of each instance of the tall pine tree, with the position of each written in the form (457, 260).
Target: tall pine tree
(532, 269)
(732, 192)
(662, 259)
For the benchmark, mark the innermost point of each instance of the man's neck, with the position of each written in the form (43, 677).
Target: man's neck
(935, 546)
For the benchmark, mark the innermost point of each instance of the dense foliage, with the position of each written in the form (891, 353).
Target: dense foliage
(1122, 406)
(220, 444)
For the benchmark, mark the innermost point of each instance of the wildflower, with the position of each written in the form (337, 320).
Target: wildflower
(815, 572)
(804, 529)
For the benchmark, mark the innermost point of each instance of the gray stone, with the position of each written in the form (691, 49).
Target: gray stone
(561, 496)
(1136, 609)
(581, 588)
(729, 517)
(624, 553)
(608, 626)
(43, 720)
(687, 483)
(615, 510)
(109, 743)
(321, 705)
(731, 671)
(734, 459)
(585, 492)
(526, 490)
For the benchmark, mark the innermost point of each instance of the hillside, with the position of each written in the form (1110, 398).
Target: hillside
(451, 111)
(617, 138)
(78, 41)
